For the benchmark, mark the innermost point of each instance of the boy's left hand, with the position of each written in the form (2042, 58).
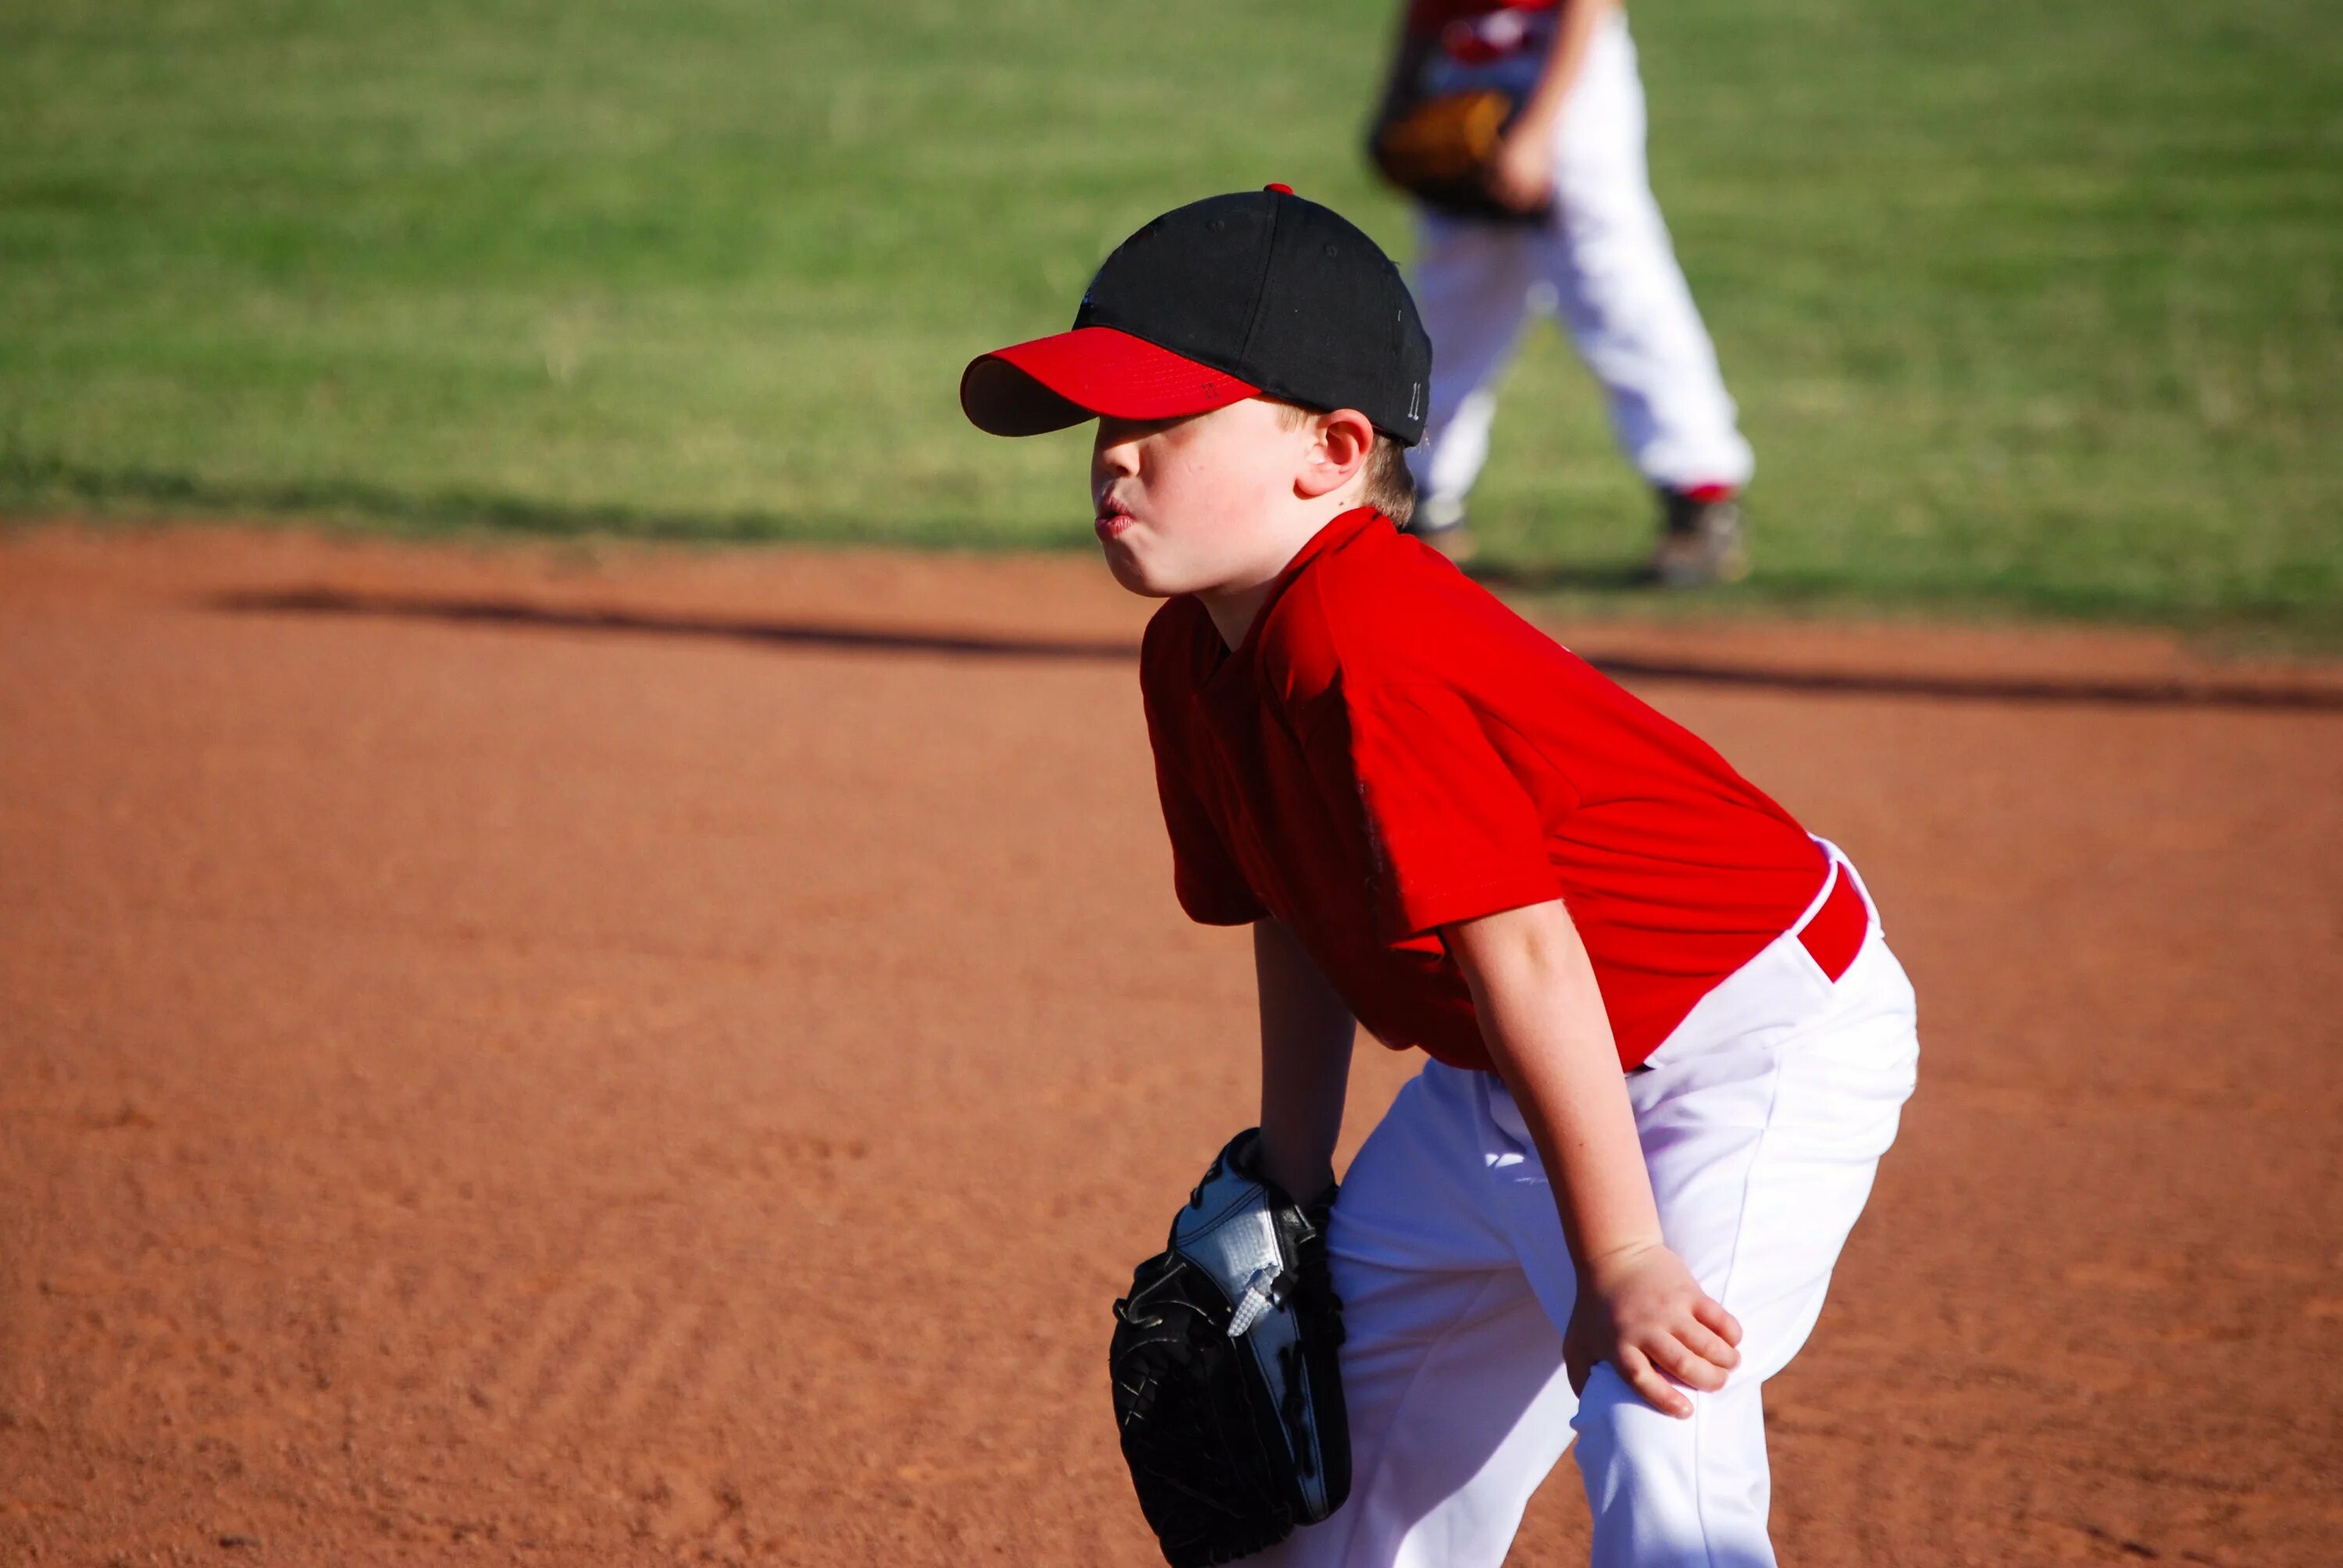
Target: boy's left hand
(1640, 1309)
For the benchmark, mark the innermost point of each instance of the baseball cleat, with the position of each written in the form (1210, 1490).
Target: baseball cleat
(1701, 539)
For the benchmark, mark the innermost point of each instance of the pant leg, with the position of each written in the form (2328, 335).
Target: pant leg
(1451, 1367)
(1762, 1148)
(1762, 1121)
(1620, 292)
(1473, 283)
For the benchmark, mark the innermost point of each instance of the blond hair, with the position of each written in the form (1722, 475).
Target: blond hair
(1390, 487)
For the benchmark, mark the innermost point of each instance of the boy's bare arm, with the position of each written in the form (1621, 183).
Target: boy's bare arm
(1638, 1306)
(1522, 174)
(1306, 1031)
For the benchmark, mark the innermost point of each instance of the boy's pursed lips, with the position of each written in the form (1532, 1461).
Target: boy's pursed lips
(1113, 518)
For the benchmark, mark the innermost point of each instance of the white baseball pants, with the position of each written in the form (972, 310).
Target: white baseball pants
(1764, 1117)
(1603, 261)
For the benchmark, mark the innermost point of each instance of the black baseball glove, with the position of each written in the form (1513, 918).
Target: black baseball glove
(1227, 1383)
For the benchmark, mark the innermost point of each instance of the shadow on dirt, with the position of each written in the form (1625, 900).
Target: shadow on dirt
(2206, 691)
(781, 633)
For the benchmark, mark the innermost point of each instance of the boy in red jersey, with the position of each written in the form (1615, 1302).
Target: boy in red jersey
(1668, 1044)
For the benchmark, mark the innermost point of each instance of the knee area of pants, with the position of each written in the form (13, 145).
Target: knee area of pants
(1610, 1413)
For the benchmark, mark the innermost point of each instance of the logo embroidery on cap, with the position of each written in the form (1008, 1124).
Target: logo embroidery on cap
(1416, 399)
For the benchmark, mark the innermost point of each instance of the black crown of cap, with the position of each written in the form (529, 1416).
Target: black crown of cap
(1282, 293)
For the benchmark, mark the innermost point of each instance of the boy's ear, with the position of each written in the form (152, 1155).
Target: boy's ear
(1345, 439)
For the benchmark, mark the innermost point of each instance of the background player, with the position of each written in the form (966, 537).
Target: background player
(1669, 1043)
(1598, 256)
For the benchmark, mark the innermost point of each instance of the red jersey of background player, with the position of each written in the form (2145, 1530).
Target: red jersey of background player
(1430, 15)
(1392, 749)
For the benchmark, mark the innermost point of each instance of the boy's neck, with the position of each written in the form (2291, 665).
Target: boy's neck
(1235, 606)
(1234, 609)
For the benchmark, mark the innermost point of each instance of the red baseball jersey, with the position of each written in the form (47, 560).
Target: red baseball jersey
(1431, 16)
(1392, 749)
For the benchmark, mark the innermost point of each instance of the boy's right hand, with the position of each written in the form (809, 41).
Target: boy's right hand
(1640, 1309)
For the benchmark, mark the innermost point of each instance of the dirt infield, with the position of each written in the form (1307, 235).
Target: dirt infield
(524, 1056)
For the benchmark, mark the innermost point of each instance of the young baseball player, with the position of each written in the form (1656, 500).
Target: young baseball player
(1667, 1043)
(1598, 255)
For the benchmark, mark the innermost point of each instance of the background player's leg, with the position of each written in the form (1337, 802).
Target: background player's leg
(1453, 1368)
(1472, 283)
(1621, 294)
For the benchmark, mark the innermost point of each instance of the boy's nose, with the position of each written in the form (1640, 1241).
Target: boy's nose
(1114, 457)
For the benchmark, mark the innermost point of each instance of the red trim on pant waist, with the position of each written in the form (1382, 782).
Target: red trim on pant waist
(1834, 935)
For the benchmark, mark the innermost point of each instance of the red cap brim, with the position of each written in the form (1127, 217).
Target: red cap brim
(1053, 382)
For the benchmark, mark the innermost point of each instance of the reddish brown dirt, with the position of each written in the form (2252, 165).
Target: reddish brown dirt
(678, 1075)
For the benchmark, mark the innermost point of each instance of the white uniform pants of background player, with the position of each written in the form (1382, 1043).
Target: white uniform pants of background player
(1763, 1117)
(1603, 261)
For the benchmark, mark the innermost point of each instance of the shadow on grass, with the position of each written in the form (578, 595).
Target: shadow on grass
(2175, 692)
(28, 481)
(35, 484)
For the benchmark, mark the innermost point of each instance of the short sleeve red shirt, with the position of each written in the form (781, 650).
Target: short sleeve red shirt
(1393, 749)
(1430, 16)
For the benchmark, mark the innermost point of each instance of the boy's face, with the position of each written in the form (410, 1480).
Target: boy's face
(1183, 505)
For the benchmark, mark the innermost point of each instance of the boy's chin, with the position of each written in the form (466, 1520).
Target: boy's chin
(1132, 573)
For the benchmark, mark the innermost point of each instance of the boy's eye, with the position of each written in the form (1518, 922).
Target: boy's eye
(1114, 432)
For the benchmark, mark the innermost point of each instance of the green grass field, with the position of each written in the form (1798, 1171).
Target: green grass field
(2032, 309)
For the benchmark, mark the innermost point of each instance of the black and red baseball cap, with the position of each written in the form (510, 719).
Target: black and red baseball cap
(1257, 293)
